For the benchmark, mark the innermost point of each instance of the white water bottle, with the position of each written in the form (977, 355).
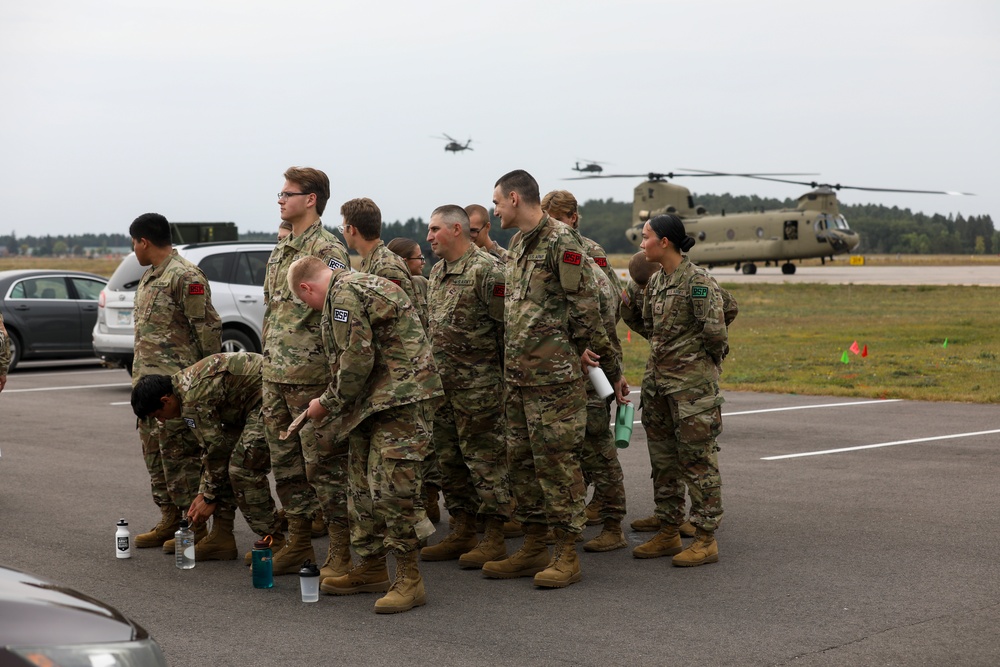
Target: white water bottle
(600, 381)
(123, 540)
(184, 546)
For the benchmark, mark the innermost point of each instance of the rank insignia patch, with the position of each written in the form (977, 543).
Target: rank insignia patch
(190, 422)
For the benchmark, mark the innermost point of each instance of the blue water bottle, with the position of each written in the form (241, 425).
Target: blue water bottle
(261, 566)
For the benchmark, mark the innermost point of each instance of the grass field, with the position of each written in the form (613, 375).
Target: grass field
(792, 338)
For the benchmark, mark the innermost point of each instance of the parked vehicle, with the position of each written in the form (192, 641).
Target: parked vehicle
(45, 623)
(235, 273)
(49, 313)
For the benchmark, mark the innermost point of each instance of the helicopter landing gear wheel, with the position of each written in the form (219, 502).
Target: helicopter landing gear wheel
(749, 268)
(788, 268)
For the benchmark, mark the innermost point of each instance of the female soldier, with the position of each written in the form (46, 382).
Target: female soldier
(683, 321)
(410, 251)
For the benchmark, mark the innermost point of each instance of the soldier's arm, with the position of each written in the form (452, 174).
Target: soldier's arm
(706, 303)
(586, 327)
(631, 309)
(354, 339)
(195, 297)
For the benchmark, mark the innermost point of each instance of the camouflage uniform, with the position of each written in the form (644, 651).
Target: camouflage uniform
(4, 349)
(466, 307)
(630, 308)
(383, 380)
(313, 463)
(552, 315)
(220, 399)
(599, 456)
(175, 326)
(600, 258)
(499, 252)
(684, 322)
(420, 284)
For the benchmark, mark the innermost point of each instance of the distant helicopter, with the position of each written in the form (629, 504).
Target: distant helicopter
(815, 228)
(589, 166)
(453, 145)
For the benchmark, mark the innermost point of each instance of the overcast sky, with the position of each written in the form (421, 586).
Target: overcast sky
(194, 109)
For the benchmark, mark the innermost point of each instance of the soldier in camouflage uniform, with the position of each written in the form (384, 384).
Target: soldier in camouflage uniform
(175, 326)
(552, 323)
(684, 322)
(4, 353)
(466, 305)
(413, 257)
(219, 399)
(310, 468)
(599, 457)
(479, 230)
(384, 379)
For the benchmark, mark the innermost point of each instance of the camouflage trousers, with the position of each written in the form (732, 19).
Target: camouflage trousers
(386, 490)
(545, 429)
(472, 452)
(310, 467)
(599, 460)
(173, 460)
(247, 466)
(681, 429)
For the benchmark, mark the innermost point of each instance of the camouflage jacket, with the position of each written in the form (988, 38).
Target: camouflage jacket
(608, 301)
(600, 258)
(217, 395)
(420, 284)
(465, 301)
(4, 349)
(378, 354)
(385, 263)
(684, 323)
(175, 322)
(630, 307)
(552, 310)
(499, 252)
(293, 345)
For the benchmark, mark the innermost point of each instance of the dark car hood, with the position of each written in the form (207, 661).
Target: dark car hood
(40, 612)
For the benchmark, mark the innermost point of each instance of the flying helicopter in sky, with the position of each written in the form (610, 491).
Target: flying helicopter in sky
(453, 145)
(589, 166)
(814, 228)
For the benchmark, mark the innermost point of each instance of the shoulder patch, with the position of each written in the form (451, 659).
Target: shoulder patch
(190, 422)
(570, 257)
(627, 301)
(601, 261)
(395, 280)
(340, 315)
(196, 289)
(500, 289)
(699, 292)
(335, 263)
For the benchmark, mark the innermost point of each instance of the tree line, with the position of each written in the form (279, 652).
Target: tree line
(883, 230)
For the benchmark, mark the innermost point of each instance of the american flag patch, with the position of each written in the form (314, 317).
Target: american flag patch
(196, 289)
(340, 315)
(570, 257)
(500, 289)
(625, 299)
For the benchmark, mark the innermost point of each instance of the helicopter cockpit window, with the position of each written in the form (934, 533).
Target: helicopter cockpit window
(840, 222)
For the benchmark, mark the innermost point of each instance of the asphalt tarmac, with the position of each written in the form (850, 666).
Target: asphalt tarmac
(856, 533)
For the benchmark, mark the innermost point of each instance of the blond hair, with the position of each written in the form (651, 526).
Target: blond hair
(305, 270)
(560, 203)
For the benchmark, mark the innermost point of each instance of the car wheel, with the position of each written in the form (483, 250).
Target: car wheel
(15, 349)
(234, 340)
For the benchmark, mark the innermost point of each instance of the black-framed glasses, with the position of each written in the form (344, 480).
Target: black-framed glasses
(286, 195)
(416, 259)
(474, 231)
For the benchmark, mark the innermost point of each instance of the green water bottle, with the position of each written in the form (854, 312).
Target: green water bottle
(623, 425)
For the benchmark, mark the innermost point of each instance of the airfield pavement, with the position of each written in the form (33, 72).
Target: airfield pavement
(856, 532)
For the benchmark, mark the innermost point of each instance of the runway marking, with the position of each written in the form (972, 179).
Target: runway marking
(801, 407)
(95, 370)
(121, 403)
(881, 444)
(79, 386)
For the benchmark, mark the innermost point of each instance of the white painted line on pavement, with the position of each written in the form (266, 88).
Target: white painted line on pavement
(79, 372)
(807, 407)
(121, 403)
(79, 386)
(881, 444)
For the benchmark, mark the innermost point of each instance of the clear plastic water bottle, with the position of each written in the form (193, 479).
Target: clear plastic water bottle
(123, 540)
(309, 582)
(184, 546)
(261, 564)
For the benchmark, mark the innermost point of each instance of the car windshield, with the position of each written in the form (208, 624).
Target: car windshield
(126, 276)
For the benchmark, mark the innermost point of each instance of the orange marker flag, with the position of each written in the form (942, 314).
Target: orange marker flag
(854, 348)
(864, 352)
(628, 336)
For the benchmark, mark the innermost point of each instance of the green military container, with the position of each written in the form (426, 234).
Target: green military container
(203, 232)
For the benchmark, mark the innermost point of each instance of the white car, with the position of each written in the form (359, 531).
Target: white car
(235, 272)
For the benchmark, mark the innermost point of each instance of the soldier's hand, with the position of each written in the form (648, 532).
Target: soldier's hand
(622, 391)
(589, 358)
(200, 510)
(315, 411)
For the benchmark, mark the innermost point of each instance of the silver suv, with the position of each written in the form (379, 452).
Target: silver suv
(235, 272)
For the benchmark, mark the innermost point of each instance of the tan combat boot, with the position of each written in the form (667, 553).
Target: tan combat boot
(491, 547)
(298, 548)
(687, 529)
(317, 527)
(368, 576)
(703, 550)
(431, 504)
(170, 521)
(667, 542)
(565, 566)
(220, 543)
(338, 559)
(650, 524)
(459, 541)
(512, 528)
(407, 590)
(611, 537)
(531, 558)
(277, 541)
(593, 511)
(200, 533)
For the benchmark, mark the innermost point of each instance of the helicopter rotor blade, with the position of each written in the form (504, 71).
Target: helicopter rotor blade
(655, 176)
(448, 138)
(834, 186)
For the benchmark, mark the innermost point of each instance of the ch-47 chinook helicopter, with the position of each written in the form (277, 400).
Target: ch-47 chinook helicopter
(815, 228)
(453, 145)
